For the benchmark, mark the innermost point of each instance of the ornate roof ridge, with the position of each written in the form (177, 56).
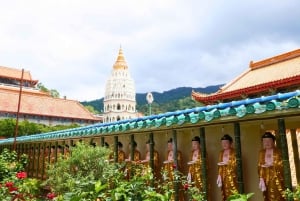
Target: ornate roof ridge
(11, 73)
(234, 109)
(248, 90)
(274, 59)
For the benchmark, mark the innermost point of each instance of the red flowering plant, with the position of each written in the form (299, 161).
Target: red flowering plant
(50, 196)
(14, 183)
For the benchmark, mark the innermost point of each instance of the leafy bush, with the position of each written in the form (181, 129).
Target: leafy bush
(88, 175)
(14, 184)
(240, 197)
(293, 195)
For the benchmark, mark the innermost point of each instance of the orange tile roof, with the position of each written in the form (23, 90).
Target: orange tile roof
(42, 105)
(25, 90)
(272, 73)
(13, 73)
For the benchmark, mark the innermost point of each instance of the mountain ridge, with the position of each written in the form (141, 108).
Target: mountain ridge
(161, 98)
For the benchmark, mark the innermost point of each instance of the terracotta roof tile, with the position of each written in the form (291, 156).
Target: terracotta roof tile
(43, 105)
(15, 73)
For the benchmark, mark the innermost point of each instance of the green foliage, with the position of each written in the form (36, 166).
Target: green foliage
(7, 127)
(88, 175)
(293, 195)
(173, 105)
(240, 197)
(75, 177)
(9, 165)
(91, 109)
(53, 92)
(41, 87)
(96, 104)
(14, 184)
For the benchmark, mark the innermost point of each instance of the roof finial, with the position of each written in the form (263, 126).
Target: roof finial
(120, 63)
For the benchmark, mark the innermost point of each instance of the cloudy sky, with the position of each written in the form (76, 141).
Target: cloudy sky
(71, 45)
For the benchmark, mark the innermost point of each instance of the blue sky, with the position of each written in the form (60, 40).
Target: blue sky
(71, 45)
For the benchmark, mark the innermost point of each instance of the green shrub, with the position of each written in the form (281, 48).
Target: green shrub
(14, 184)
(240, 197)
(88, 175)
(293, 195)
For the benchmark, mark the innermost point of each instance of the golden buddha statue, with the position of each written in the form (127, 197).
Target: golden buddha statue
(227, 170)
(194, 175)
(121, 153)
(270, 170)
(169, 165)
(130, 162)
(66, 151)
(136, 153)
(146, 161)
(53, 155)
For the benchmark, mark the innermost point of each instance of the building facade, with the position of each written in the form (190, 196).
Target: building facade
(119, 100)
(35, 105)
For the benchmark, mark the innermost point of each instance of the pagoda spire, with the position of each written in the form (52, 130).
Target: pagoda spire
(120, 62)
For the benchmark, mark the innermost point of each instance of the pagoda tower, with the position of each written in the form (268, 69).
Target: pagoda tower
(119, 100)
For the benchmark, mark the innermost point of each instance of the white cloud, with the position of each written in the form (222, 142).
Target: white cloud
(71, 45)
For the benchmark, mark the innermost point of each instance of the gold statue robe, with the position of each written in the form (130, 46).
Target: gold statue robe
(129, 163)
(272, 176)
(195, 171)
(228, 174)
(169, 166)
(146, 162)
(121, 156)
(136, 156)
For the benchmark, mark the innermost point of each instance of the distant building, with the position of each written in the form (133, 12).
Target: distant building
(37, 106)
(119, 100)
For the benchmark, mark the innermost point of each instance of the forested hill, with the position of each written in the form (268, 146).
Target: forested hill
(174, 99)
(174, 94)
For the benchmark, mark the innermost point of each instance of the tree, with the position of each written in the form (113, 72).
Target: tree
(92, 109)
(41, 87)
(53, 92)
(7, 127)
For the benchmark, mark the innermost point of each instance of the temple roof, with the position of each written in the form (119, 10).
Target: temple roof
(274, 73)
(281, 103)
(38, 103)
(120, 62)
(12, 73)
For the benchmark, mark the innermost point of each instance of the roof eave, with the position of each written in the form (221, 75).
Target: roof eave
(291, 81)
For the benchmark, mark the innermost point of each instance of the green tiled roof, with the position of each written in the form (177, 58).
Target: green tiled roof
(239, 109)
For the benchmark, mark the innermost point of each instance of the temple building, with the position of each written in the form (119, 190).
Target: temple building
(35, 105)
(264, 99)
(276, 74)
(119, 100)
